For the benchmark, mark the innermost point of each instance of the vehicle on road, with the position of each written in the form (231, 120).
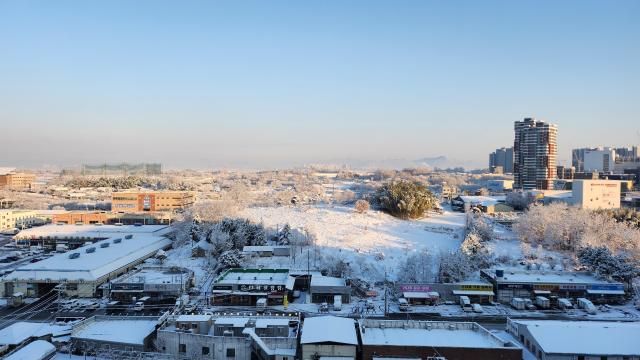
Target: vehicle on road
(465, 303)
(477, 308)
(403, 304)
(261, 304)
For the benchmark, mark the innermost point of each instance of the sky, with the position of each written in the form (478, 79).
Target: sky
(209, 84)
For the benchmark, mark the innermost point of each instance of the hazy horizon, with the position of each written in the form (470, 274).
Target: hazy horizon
(274, 84)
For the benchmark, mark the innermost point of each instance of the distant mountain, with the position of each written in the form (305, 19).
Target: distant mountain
(399, 163)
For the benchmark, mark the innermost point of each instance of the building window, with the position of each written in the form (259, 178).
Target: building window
(205, 350)
(231, 352)
(182, 348)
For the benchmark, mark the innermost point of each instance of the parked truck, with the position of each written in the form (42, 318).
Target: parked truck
(542, 302)
(587, 306)
(337, 302)
(261, 304)
(518, 303)
(403, 304)
(465, 303)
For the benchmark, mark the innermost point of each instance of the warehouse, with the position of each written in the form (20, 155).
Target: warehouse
(553, 339)
(246, 286)
(530, 283)
(112, 333)
(160, 284)
(325, 288)
(80, 272)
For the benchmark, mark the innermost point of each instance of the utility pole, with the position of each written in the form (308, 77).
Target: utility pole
(386, 303)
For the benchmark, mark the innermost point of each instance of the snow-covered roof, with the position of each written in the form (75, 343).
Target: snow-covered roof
(90, 266)
(38, 349)
(233, 321)
(6, 170)
(257, 248)
(264, 322)
(585, 337)
(420, 294)
(94, 231)
(328, 329)
(193, 318)
(256, 277)
(547, 277)
(481, 200)
(155, 275)
(327, 281)
(427, 334)
(16, 333)
(125, 331)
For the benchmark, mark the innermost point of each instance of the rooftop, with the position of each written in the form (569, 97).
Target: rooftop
(94, 231)
(319, 280)
(155, 275)
(38, 349)
(428, 333)
(100, 261)
(255, 277)
(585, 337)
(328, 329)
(126, 331)
(542, 276)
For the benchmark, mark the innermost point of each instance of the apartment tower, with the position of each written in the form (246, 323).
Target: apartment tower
(534, 154)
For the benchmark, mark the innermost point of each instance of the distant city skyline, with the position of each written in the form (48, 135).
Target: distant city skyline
(274, 84)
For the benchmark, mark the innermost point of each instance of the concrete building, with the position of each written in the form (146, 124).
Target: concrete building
(107, 217)
(9, 178)
(596, 194)
(328, 337)
(142, 201)
(18, 219)
(105, 334)
(600, 159)
(267, 251)
(499, 186)
(407, 339)
(220, 337)
(111, 251)
(246, 286)
(582, 340)
(534, 153)
(161, 284)
(529, 284)
(326, 288)
(563, 172)
(502, 158)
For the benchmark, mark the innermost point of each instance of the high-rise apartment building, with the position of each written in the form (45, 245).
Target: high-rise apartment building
(534, 153)
(502, 157)
(600, 159)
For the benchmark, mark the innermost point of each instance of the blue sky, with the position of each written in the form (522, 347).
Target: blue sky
(277, 83)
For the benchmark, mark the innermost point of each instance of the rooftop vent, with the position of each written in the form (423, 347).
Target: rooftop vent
(104, 245)
(128, 236)
(74, 255)
(91, 250)
(117, 241)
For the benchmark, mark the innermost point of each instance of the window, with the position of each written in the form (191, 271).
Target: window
(182, 348)
(205, 350)
(231, 352)
(580, 357)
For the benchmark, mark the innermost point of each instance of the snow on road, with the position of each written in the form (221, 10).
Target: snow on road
(353, 235)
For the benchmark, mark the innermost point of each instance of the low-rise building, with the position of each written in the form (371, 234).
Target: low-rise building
(9, 178)
(114, 333)
(326, 288)
(267, 251)
(219, 337)
(569, 340)
(328, 337)
(596, 194)
(18, 219)
(246, 286)
(108, 217)
(160, 284)
(142, 201)
(528, 284)
(407, 339)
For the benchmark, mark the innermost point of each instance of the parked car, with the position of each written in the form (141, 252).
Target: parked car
(564, 304)
(587, 306)
(403, 304)
(477, 308)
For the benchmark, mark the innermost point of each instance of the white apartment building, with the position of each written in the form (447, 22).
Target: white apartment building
(600, 159)
(10, 219)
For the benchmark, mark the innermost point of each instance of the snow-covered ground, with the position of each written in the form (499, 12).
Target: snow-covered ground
(361, 239)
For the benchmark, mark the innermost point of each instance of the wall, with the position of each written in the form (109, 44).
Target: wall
(308, 351)
(596, 194)
(369, 352)
(168, 342)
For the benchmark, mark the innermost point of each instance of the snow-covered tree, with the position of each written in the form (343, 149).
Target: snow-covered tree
(417, 268)
(405, 199)
(603, 263)
(454, 267)
(284, 236)
(230, 259)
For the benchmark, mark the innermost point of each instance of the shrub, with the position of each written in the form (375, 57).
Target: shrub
(405, 199)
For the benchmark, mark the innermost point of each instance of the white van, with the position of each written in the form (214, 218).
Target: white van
(138, 306)
(337, 302)
(587, 305)
(403, 304)
(465, 303)
(261, 304)
(565, 304)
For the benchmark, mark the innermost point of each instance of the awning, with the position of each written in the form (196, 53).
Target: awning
(420, 295)
(541, 292)
(605, 292)
(126, 291)
(473, 292)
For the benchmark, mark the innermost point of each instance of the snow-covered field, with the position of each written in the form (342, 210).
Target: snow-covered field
(361, 238)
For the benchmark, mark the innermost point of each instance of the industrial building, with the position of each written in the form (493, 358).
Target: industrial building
(219, 337)
(528, 284)
(406, 339)
(588, 194)
(534, 153)
(569, 340)
(160, 284)
(109, 252)
(143, 201)
(246, 286)
(326, 288)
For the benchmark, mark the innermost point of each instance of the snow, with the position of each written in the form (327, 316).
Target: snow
(327, 281)
(360, 238)
(36, 350)
(101, 262)
(424, 337)
(235, 322)
(595, 337)
(263, 323)
(18, 332)
(548, 277)
(119, 331)
(333, 329)
(193, 318)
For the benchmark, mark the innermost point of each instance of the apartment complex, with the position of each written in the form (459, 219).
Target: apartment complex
(140, 201)
(585, 159)
(9, 178)
(501, 158)
(10, 219)
(534, 152)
